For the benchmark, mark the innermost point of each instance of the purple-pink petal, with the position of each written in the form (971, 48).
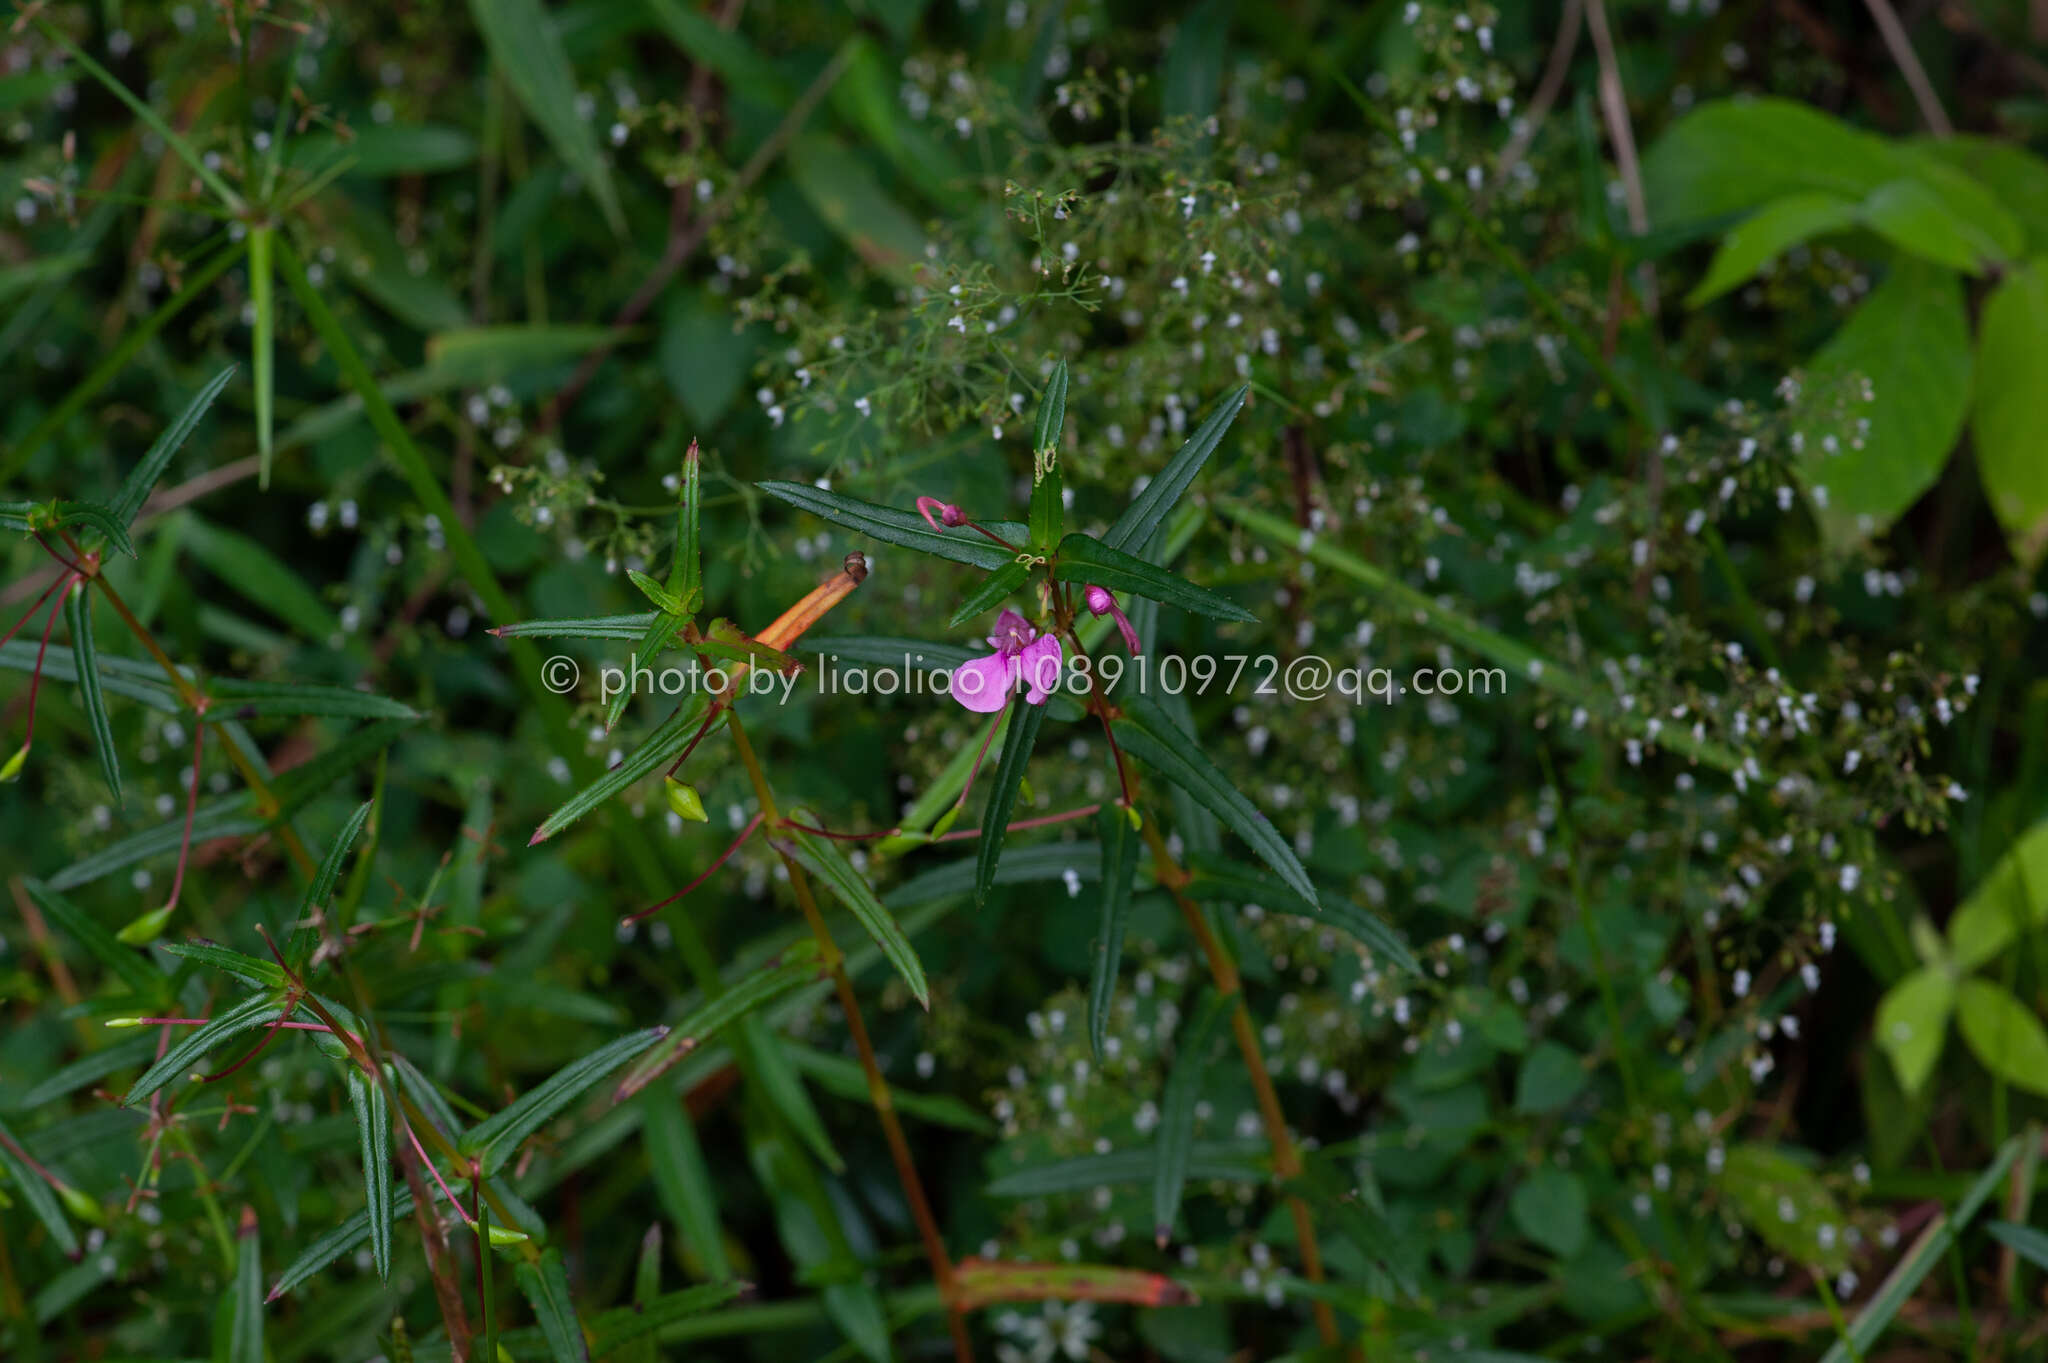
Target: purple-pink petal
(984, 684)
(1040, 664)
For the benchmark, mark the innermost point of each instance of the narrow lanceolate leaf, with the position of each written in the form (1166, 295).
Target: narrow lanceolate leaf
(78, 615)
(986, 1282)
(646, 1288)
(90, 1069)
(657, 637)
(2025, 1241)
(493, 1140)
(1048, 500)
(346, 1238)
(627, 1324)
(659, 596)
(131, 965)
(770, 1072)
(245, 1332)
(373, 1132)
(798, 965)
(135, 489)
(248, 969)
(1220, 878)
(1026, 865)
(1083, 559)
(251, 699)
(525, 46)
(41, 1198)
(252, 1012)
(686, 573)
(660, 748)
(1052, 410)
(1119, 862)
(1134, 528)
(546, 1287)
(1002, 796)
(1177, 1112)
(904, 528)
(262, 344)
(607, 627)
(1147, 733)
(320, 891)
(682, 1181)
(995, 589)
(824, 860)
(1233, 1161)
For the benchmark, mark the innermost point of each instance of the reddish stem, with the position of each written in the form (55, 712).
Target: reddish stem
(1040, 821)
(421, 1151)
(975, 770)
(710, 871)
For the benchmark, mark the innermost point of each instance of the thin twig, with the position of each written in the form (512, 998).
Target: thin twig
(1908, 61)
(1547, 89)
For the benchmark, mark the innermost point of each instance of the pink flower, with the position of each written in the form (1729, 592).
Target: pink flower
(986, 684)
(1102, 601)
(949, 515)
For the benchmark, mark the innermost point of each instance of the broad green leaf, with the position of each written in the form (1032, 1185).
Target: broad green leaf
(904, 528)
(661, 746)
(995, 589)
(1549, 1206)
(1087, 560)
(1730, 155)
(245, 1334)
(491, 354)
(2010, 902)
(132, 966)
(373, 1132)
(1230, 1161)
(825, 861)
(1002, 796)
(2025, 1241)
(1176, 1135)
(2003, 1034)
(1217, 877)
(608, 627)
(1133, 530)
(1912, 1021)
(1786, 1206)
(1119, 863)
(252, 699)
(1147, 734)
(78, 616)
(1764, 235)
(263, 341)
(2015, 176)
(41, 1198)
(1914, 216)
(1969, 200)
(255, 1010)
(1910, 341)
(495, 1139)
(142, 480)
(2011, 410)
(546, 1283)
(681, 1179)
(703, 360)
(1550, 1077)
(526, 48)
(320, 891)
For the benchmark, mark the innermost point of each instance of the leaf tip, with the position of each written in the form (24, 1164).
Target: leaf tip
(539, 836)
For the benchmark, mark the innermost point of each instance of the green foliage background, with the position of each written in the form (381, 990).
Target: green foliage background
(1669, 374)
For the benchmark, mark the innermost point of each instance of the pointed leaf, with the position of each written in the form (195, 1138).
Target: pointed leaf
(2004, 1034)
(608, 627)
(686, 574)
(321, 889)
(1002, 796)
(132, 966)
(1219, 877)
(253, 699)
(373, 1132)
(904, 528)
(995, 589)
(681, 1180)
(1768, 233)
(262, 342)
(527, 48)
(1082, 559)
(546, 1286)
(248, 969)
(2028, 1243)
(614, 1329)
(1133, 530)
(1230, 1161)
(256, 1010)
(495, 1139)
(245, 1334)
(1177, 1110)
(85, 657)
(822, 859)
(796, 966)
(41, 1198)
(661, 746)
(1119, 863)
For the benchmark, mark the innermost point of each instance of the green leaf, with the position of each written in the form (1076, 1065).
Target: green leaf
(661, 746)
(248, 969)
(664, 600)
(1549, 1206)
(253, 699)
(1730, 155)
(627, 1324)
(320, 891)
(1911, 341)
(546, 1283)
(2010, 902)
(2012, 408)
(844, 1078)
(686, 573)
(2003, 1034)
(132, 966)
(379, 151)
(1192, 80)
(2016, 177)
(1786, 1206)
(1550, 1077)
(2025, 1241)
(122, 676)
(478, 355)
(260, 576)
(1052, 412)
(906, 529)
(1148, 735)
(1048, 504)
(494, 1140)
(1002, 797)
(1084, 559)
(1912, 1021)
(245, 1334)
(263, 342)
(524, 45)
(1766, 234)
(1119, 862)
(998, 587)
(613, 628)
(842, 189)
(1023, 866)
(681, 1179)
(782, 1088)
(255, 1010)
(41, 1198)
(658, 636)
(373, 1132)
(1176, 1137)
(728, 53)
(1219, 877)
(142, 480)
(89, 1069)
(797, 966)
(824, 860)
(1915, 217)
(1133, 530)
(78, 617)
(1229, 1161)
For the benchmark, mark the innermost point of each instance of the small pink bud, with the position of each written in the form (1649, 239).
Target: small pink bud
(948, 514)
(1101, 601)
